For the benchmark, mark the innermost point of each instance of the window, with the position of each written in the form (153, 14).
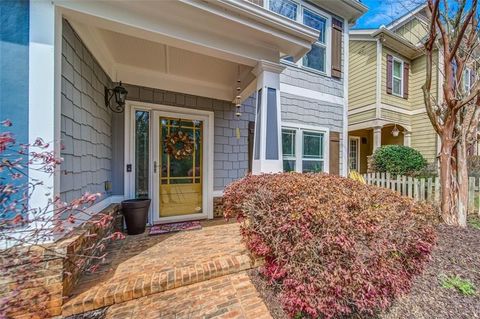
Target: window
(317, 57)
(303, 150)
(353, 153)
(312, 160)
(142, 148)
(397, 80)
(285, 8)
(288, 148)
(467, 80)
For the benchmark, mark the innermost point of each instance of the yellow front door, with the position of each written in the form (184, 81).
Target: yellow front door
(181, 167)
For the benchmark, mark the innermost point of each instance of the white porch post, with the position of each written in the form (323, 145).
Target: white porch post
(44, 87)
(377, 137)
(267, 154)
(407, 138)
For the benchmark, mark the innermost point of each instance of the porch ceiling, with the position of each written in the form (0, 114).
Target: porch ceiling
(189, 46)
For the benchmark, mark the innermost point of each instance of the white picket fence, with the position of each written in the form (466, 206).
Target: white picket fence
(422, 189)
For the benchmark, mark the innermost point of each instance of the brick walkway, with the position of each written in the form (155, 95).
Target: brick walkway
(191, 274)
(231, 296)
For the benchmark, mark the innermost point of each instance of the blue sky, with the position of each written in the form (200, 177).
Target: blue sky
(381, 12)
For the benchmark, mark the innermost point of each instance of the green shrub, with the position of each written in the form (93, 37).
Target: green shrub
(333, 246)
(398, 160)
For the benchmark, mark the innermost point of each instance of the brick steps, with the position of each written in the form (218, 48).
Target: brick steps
(153, 282)
(231, 296)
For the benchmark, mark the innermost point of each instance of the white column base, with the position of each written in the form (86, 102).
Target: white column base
(267, 166)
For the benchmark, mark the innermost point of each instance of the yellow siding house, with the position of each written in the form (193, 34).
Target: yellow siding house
(387, 71)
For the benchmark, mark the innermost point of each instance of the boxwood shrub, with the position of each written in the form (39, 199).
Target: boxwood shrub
(334, 246)
(398, 160)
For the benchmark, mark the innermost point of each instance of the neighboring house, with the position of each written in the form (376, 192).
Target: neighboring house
(385, 97)
(186, 65)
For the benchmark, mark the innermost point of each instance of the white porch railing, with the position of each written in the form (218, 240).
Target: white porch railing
(422, 189)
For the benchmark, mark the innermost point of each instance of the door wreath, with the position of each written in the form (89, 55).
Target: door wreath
(179, 145)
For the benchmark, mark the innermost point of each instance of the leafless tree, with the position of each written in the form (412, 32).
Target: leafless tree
(453, 32)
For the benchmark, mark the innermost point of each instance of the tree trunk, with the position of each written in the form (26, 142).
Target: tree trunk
(462, 178)
(447, 192)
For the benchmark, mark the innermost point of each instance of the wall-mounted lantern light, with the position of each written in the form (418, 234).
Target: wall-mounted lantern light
(120, 94)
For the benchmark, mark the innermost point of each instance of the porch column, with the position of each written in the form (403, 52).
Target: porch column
(44, 87)
(407, 138)
(377, 137)
(267, 153)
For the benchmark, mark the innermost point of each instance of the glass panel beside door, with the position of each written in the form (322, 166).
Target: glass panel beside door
(179, 166)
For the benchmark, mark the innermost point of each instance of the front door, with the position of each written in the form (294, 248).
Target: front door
(178, 167)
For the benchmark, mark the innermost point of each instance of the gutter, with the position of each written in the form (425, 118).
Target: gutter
(263, 16)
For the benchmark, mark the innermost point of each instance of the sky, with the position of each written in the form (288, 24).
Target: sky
(382, 12)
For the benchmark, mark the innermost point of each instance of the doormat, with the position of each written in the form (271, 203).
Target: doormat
(174, 227)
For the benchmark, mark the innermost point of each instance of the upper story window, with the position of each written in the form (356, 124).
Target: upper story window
(397, 72)
(469, 79)
(397, 77)
(286, 8)
(317, 57)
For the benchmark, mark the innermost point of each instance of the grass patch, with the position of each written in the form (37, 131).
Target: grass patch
(463, 286)
(474, 222)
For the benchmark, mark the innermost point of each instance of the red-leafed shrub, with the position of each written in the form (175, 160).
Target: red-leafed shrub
(335, 246)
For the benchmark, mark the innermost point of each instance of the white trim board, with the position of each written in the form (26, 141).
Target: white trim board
(346, 83)
(370, 124)
(387, 107)
(311, 94)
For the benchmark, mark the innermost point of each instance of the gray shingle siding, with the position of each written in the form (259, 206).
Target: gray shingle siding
(302, 110)
(93, 137)
(297, 76)
(86, 130)
(298, 109)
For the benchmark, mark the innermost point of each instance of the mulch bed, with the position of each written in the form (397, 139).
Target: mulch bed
(457, 253)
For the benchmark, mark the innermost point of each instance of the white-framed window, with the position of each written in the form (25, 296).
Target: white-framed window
(354, 153)
(288, 149)
(397, 77)
(285, 8)
(304, 149)
(316, 58)
(467, 81)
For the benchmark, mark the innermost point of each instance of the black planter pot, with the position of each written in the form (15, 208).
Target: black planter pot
(135, 212)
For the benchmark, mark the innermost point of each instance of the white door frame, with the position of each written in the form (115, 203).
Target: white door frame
(357, 139)
(157, 110)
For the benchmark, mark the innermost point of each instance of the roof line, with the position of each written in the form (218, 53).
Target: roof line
(406, 16)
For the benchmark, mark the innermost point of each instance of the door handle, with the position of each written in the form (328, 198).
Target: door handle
(155, 167)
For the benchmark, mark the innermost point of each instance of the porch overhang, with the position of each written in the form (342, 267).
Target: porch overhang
(190, 46)
(398, 43)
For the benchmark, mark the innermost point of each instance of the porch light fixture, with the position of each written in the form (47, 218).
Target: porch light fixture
(120, 94)
(395, 131)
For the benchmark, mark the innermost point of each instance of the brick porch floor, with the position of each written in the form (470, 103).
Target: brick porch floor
(191, 274)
